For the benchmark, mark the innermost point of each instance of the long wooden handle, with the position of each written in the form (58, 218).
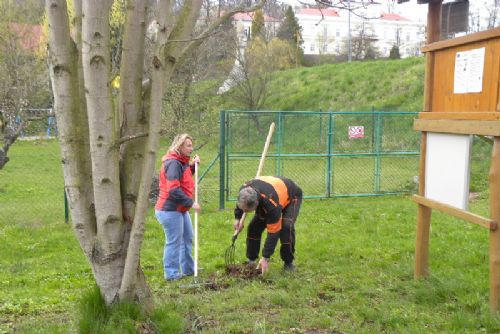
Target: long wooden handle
(264, 152)
(259, 170)
(196, 220)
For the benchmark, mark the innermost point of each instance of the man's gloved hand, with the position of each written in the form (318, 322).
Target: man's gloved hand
(263, 265)
(238, 225)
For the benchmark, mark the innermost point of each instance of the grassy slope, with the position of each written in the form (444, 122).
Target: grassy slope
(382, 84)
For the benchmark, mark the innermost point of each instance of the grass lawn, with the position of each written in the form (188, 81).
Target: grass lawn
(354, 258)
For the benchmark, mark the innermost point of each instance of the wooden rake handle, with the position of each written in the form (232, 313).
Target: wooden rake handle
(259, 171)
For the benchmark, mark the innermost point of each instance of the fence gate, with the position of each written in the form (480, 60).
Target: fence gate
(328, 154)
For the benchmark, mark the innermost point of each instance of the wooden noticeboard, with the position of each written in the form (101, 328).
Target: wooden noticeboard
(460, 97)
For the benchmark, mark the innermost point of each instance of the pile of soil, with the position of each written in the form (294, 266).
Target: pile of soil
(245, 271)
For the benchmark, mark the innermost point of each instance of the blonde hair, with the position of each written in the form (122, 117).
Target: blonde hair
(178, 141)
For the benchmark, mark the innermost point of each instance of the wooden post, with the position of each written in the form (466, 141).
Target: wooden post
(495, 235)
(433, 35)
(423, 219)
(424, 213)
(434, 21)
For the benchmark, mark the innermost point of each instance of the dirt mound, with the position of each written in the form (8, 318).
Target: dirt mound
(245, 271)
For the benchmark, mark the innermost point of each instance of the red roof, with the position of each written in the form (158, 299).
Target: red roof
(393, 17)
(28, 36)
(249, 17)
(318, 12)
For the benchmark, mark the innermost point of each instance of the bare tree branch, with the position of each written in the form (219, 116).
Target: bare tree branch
(127, 139)
(206, 33)
(9, 139)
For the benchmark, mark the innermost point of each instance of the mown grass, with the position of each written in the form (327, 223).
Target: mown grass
(354, 258)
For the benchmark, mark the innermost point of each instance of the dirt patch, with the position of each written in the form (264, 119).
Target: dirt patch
(212, 283)
(245, 271)
(215, 282)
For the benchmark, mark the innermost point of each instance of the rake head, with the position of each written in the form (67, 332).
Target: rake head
(229, 254)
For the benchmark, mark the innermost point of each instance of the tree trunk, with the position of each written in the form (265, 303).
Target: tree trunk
(73, 130)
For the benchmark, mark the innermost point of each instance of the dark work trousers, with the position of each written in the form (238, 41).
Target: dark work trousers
(287, 233)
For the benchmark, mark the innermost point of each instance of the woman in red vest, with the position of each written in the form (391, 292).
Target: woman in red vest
(173, 204)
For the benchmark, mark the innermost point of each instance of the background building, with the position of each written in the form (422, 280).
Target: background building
(326, 31)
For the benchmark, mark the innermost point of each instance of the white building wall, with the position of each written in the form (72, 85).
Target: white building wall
(327, 34)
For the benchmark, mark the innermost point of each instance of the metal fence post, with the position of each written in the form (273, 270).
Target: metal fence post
(279, 144)
(378, 141)
(66, 210)
(222, 155)
(329, 171)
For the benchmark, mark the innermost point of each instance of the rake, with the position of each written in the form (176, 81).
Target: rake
(229, 254)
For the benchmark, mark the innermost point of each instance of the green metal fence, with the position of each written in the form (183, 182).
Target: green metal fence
(329, 154)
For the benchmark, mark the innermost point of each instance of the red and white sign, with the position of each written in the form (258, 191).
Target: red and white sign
(356, 131)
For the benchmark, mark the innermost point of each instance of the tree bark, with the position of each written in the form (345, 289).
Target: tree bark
(138, 180)
(73, 129)
(131, 112)
(110, 250)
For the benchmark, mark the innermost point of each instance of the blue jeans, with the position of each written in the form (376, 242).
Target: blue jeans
(177, 254)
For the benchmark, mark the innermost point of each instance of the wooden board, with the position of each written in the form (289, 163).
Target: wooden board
(441, 79)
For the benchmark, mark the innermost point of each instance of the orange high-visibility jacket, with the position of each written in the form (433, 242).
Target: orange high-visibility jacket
(274, 195)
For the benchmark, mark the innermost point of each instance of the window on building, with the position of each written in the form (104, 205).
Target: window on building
(325, 47)
(312, 47)
(325, 30)
(337, 32)
(408, 36)
(337, 48)
(247, 33)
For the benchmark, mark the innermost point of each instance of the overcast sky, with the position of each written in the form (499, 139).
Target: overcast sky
(412, 10)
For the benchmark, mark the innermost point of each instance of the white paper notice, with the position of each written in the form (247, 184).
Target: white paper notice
(475, 79)
(469, 67)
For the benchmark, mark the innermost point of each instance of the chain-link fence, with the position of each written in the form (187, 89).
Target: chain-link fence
(329, 154)
(31, 183)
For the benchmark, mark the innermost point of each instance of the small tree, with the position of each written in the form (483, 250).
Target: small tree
(23, 72)
(189, 104)
(290, 31)
(362, 43)
(289, 28)
(253, 73)
(394, 53)
(258, 26)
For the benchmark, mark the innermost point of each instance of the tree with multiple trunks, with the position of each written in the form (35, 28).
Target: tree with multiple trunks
(109, 141)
